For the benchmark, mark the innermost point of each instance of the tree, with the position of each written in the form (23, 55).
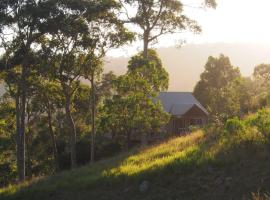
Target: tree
(247, 91)
(76, 52)
(132, 110)
(150, 69)
(7, 142)
(261, 80)
(262, 74)
(47, 98)
(23, 24)
(217, 87)
(159, 17)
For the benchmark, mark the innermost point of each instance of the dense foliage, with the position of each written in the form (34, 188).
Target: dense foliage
(226, 93)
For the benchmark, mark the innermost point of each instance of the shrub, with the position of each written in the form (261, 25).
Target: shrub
(262, 122)
(234, 125)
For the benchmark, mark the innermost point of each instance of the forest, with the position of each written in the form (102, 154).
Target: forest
(60, 111)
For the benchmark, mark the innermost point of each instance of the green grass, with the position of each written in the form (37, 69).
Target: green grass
(199, 166)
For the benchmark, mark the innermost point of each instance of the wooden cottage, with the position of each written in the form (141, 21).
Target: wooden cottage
(185, 111)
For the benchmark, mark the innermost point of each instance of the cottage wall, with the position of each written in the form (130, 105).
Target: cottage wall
(181, 124)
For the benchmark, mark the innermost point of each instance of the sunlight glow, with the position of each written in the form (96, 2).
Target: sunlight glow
(233, 21)
(244, 21)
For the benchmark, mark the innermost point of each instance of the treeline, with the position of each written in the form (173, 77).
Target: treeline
(58, 98)
(227, 94)
(122, 108)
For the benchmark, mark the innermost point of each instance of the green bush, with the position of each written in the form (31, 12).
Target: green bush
(234, 125)
(262, 122)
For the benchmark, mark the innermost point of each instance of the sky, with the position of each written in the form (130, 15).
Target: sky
(245, 21)
(233, 21)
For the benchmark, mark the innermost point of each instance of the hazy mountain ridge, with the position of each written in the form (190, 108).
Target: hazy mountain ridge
(187, 63)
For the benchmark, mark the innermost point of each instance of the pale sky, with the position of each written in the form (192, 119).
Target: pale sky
(234, 21)
(245, 21)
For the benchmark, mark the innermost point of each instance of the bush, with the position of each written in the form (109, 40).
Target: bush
(262, 122)
(234, 125)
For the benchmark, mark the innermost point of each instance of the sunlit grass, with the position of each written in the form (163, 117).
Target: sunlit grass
(158, 156)
(197, 160)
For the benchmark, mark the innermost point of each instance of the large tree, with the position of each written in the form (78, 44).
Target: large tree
(156, 18)
(216, 89)
(25, 23)
(76, 52)
(22, 23)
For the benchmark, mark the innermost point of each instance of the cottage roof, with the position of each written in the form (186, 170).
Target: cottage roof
(179, 103)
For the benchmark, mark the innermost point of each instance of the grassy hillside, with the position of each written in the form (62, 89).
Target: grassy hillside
(199, 166)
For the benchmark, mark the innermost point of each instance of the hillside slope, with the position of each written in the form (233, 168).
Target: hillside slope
(198, 166)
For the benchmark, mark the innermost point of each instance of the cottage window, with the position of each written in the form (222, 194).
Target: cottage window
(194, 122)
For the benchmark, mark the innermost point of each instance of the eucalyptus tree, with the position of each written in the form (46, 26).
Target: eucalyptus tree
(48, 99)
(156, 18)
(76, 52)
(23, 23)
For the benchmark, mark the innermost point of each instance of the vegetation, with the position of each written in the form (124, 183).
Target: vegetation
(60, 111)
(226, 93)
(205, 164)
(48, 49)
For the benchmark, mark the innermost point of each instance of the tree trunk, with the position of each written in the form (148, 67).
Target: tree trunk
(28, 155)
(28, 139)
(54, 146)
(145, 45)
(72, 130)
(144, 140)
(145, 56)
(20, 124)
(128, 140)
(93, 109)
(19, 141)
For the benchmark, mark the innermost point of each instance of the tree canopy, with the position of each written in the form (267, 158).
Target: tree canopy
(216, 88)
(160, 17)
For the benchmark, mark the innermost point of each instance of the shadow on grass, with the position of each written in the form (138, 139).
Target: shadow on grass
(210, 167)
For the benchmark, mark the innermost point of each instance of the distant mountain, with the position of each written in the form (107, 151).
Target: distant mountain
(187, 63)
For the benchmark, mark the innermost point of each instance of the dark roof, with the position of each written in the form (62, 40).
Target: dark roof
(179, 103)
